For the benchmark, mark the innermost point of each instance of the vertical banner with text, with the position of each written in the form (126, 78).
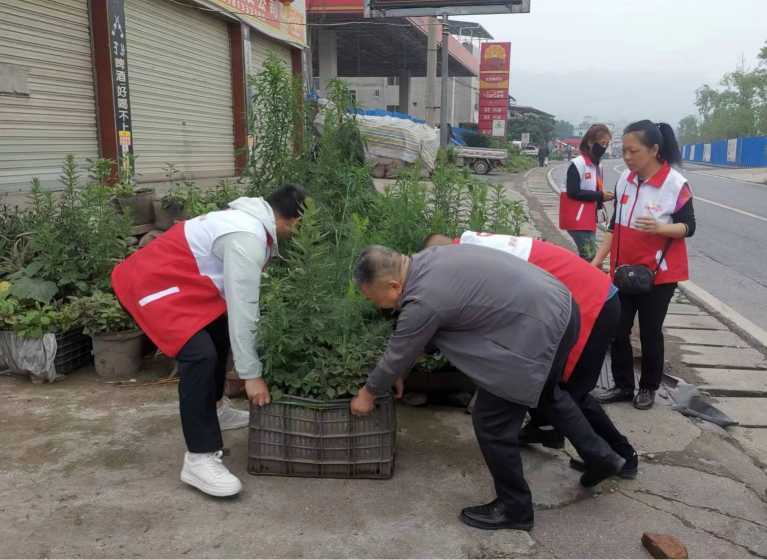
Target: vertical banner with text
(119, 58)
(495, 61)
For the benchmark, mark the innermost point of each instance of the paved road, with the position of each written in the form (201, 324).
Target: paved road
(728, 254)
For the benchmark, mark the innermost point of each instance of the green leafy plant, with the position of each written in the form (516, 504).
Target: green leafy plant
(30, 318)
(101, 313)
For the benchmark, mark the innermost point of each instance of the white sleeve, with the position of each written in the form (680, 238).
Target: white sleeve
(244, 256)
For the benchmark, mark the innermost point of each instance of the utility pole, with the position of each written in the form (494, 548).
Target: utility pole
(431, 70)
(443, 136)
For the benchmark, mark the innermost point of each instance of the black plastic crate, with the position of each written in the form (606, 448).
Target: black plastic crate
(310, 438)
(73, 350)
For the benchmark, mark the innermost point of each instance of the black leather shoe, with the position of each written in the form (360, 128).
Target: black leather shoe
(645, 399)
(548, 438)
(629, 471)
(616, 394)
(494, 516)
(597, 473)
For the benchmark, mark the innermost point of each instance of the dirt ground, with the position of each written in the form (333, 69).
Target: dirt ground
(91, 469)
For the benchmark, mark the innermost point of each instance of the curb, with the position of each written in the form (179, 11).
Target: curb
(744, 327)
(550, 178)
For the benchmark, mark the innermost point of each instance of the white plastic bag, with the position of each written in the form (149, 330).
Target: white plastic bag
(29, 356)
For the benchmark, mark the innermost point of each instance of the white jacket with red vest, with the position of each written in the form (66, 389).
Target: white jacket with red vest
(197, 271)
(659, 197)
(581, 215)
(588, 285)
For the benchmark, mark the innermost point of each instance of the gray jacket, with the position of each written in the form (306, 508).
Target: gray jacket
(497, 318)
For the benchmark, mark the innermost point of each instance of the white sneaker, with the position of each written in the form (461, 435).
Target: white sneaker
(230, 418)
(207, 472)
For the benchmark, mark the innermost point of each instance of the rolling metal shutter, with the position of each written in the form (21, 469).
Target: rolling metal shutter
(48, 43)
(261, 45)
(179, 71)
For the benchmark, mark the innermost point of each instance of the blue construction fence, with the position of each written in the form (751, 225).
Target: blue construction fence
(742, 152)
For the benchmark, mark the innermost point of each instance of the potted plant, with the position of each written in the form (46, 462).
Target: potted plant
(39, 338)
(117, 341)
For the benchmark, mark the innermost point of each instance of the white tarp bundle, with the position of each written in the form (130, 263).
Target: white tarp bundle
(33, 356)
(392, 138)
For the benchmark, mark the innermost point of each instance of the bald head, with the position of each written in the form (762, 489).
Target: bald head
(379, 273)
(436, 239)
(376, 263)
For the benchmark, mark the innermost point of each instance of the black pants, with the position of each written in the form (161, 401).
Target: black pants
(497, 423)
(652, 308)
(586, 373)
(202, 374)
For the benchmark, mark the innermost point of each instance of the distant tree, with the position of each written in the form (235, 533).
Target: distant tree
(540, 127)
(688, 131)
(738, 107)
(564, 129)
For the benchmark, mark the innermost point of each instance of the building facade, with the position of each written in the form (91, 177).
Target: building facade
(162, 80)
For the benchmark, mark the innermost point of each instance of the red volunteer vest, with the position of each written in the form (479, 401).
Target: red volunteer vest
(588, 285)
(173, 287)
(659, 197)
(581, 215)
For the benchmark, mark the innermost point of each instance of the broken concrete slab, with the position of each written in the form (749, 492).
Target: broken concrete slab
(754, 440)
(747, 411)
(694, 322)
(662, 431)
(707, 337)
(721, 381)
(684, 309)
(733, 358)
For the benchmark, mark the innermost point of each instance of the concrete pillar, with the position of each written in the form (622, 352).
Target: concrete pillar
(328, 57)
(404, 91)
(431, 72)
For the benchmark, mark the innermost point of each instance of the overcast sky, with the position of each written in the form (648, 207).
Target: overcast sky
(624, 60)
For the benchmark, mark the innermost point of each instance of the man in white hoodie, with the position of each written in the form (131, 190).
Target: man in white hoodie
(194, 291)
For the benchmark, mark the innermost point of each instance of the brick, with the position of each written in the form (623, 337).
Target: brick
(663, 546)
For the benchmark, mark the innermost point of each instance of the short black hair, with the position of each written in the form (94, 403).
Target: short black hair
(288, 201)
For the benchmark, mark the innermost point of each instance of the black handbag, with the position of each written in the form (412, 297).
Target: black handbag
(635, 279)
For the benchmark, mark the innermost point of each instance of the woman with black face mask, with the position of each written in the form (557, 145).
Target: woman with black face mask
(585, 191)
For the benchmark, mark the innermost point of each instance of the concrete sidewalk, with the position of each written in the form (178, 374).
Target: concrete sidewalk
(702, 349)
(749, 174)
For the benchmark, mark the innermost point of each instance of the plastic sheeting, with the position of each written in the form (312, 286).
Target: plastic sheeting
(391, 138)
(29, 356)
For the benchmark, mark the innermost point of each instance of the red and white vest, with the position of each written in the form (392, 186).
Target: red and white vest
(174, 286)
(588, 285)
(581, 215)
(659, 196)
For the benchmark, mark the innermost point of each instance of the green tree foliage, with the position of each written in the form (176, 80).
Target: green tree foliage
(564, 129)
(540, 127)
(738, 107)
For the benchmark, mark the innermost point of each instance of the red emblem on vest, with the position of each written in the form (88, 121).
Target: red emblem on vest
(588, 175)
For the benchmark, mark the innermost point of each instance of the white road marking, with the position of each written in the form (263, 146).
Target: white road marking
(730, 208)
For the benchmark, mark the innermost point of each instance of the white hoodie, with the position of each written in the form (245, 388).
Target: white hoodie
(245, 255)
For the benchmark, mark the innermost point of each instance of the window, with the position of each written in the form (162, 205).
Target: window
(376, 93)
(392, 81)
(392, 108)
(353, 93)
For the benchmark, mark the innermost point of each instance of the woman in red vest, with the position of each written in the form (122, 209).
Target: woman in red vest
(585, 192)
(652, 217)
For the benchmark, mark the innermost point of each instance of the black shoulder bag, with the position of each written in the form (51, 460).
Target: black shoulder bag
(635, 279)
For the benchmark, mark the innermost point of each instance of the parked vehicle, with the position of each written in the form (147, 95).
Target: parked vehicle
(530, 150)
(480, 160)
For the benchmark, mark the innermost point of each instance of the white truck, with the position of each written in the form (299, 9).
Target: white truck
(480, 160)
